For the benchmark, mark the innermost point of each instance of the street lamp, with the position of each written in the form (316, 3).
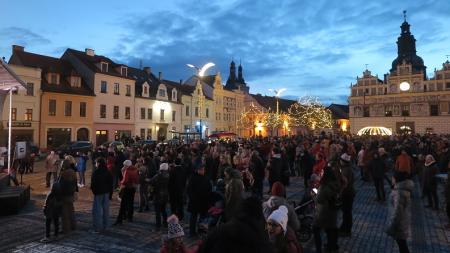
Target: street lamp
(277, 95)
(201, 72)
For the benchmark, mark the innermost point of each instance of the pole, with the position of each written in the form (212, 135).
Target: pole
(9, 131)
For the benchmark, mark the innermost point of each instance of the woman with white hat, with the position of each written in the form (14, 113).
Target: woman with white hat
(282, 237)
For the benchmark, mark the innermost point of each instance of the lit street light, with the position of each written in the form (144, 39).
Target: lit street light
(277, 94)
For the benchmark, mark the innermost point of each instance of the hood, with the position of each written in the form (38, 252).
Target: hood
(275, 201)
(406, 185)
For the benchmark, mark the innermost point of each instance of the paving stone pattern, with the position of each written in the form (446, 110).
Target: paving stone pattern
(22, 232)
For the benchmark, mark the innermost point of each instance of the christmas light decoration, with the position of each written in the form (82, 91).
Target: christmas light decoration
(310, 113)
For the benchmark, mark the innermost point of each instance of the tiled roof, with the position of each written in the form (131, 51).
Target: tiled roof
(52, 65)
(186, 89)
(91, 61)
(339, 111)
(271, 102)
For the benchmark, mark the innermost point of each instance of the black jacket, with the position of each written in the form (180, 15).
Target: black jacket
(101, 181)
(160, 183)
(177, 182)
(199, 192)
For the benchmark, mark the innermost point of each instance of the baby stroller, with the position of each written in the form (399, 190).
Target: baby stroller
(215, 212)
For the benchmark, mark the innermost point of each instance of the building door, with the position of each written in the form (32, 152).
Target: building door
(101, 136)
(161, 132)
(83, 134)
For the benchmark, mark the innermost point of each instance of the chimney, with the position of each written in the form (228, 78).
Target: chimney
(181, 81)
(160, 76)
(89, 52)
(148, 70)
(17, 48)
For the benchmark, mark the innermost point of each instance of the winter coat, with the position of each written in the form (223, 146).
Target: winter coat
(287, 243)
(276, 168)
(399, 210)
(326, 211)
(257, 168)
(199, 191)
(160, 184)
(377, 168)
(68, 182)
(53, 202)
(273, 203)
(177, 183)
(403, 163)
(347, 173)
(51, 163)
(429, 180)
(81, 163)
(233, 193)
(130, 177)
(101, 181)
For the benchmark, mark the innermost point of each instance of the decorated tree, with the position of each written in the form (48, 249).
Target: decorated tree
(310, 113)
(249, 117)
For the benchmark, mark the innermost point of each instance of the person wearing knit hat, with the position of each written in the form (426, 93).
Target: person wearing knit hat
(174, 240)
(280, 234)
(277, 199)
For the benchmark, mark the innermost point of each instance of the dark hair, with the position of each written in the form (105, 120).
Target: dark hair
(328, 176)
(100, 162)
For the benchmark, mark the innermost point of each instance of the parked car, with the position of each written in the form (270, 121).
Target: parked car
(116, 144)
(73, 147)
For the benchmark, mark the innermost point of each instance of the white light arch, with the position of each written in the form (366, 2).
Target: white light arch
(374, 130)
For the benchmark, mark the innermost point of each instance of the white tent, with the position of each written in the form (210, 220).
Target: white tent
(9, 81)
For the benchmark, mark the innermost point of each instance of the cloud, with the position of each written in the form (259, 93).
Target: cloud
(22, 36)
(309, 47)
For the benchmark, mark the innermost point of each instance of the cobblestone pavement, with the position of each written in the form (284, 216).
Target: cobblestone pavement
(22, 232)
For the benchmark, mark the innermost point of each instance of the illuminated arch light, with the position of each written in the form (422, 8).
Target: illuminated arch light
(374, 130)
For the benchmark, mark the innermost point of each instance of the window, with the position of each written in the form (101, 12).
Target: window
(68, 108)
(116, 112)
(447, 85)
(75, 81)
(123, 71)
(366, 111)
(161, 115)
(52, 107)
(434, 110)
(127, 112)
(13, 114)
(103, 87)
(173, 115)
(174, 95)
(145, 90)
(53, 79)
(30, 89)
(128, 93)
(82, 109)
(149, 113)
(29, 115)
(142, 113)
(196, 111)
(116, 89)
(143, 133)
(388, 111)
(405, 110)
(149, 133)
(104, 66)
(162, 92)
(207, 112)
(187, 110)
(102, 111)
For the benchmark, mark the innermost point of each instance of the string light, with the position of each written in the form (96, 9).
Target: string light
(310, 113)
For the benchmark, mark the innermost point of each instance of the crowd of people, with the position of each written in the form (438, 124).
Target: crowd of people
(221, 186)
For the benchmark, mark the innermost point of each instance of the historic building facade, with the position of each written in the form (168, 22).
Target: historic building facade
(114, 113)
(406, 100)
(64, 102)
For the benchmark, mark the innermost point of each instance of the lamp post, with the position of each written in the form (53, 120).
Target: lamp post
(200, 73)
(277, 95)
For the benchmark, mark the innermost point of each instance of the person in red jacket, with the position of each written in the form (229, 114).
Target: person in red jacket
(127, 190)
(404, 162)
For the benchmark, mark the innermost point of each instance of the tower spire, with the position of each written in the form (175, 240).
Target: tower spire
(404, 15)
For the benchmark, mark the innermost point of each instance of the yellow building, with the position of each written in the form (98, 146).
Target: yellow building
(26, 103)
(406, 100)
(66, 102)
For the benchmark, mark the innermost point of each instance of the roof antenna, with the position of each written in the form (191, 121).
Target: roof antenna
(404, 15)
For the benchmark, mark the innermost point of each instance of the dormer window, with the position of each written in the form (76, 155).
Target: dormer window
(53, 78)
(174, 95)
(104, 67)
(145, 90)
(123, 71)
(75, 81)
(162, 92)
